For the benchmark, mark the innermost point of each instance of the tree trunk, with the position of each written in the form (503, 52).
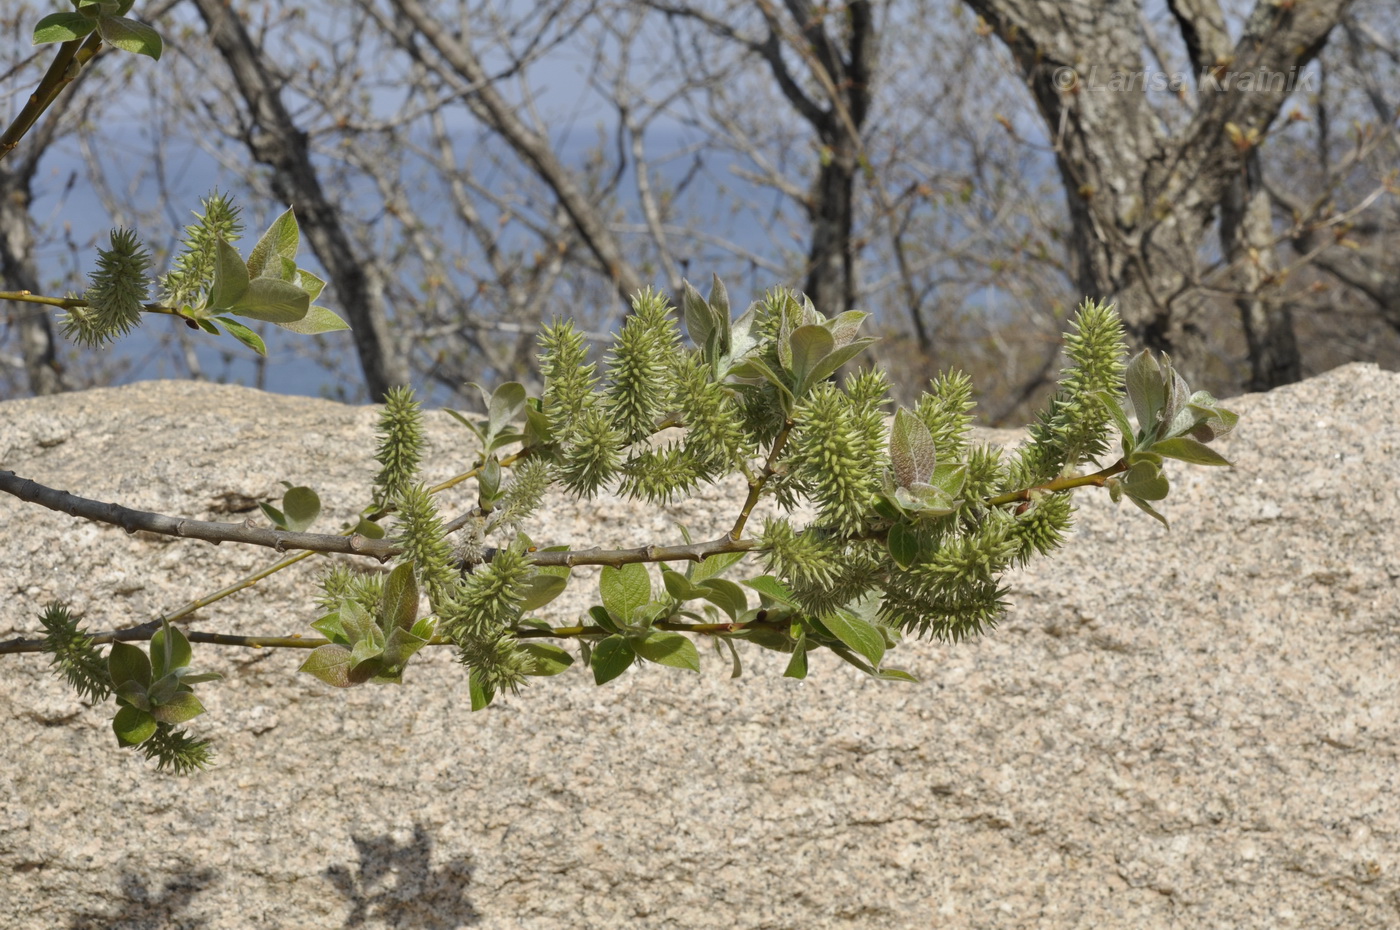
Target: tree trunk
(1141, 201)
(37, 345)
(274, 140)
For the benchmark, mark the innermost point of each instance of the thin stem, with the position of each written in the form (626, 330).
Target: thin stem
(756, 484)
(245, 582)
(64, 68)
(72, 303)
(1098, 479)
(145, 631)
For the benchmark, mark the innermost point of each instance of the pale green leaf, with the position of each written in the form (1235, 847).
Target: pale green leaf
(317, 320)
(128, 663)
(911, 449)
(548, 658)
(302, 506)
(63, 27)
(133, 726)
(244, 335)
(130, 36)
(625, 589)
(856, 633)
(398, 602)
(277, 245)
(230, 277)
(182, 707)
(1189, 450)
(272, 301)
(331, 664)
(667, 648)
(611, 658)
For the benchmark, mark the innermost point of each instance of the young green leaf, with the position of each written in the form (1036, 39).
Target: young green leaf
(666, 648)
(127, 663)
(63, 27)
(230, 277)
(331, 664)
(243, 334)
(856, 633)
(271, 301)
(133, 726)
(797, 665)
(541, 589)
(398, 602)
(482, 694)
(548, 658)
(169, 652)
(302, 506)
(903, 544)
(611, 658)
(625, 589)
(179, 708)
(1189, 450)
(911, 449)
(130, 36)
(279, 242)
(316, 321)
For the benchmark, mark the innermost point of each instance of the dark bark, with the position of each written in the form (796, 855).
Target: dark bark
(1141, 201)
(17, 273)
(843, 65)
(273, 139)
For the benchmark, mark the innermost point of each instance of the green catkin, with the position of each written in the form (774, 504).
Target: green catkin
(832, 454)
(116, 295)
(1074, 427)
(342, 584)
(185, 284)
(1041, 527)
(568, 377)
(530, 480)
(177, 752)
(659, 476)
(642, 366)
(72, 654)
(595, 455)
(478, 615)
(401, 444)
(944, 410)
(425, 545)
(715, 438)
(806, 558)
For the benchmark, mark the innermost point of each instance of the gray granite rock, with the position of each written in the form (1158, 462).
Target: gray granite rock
(1194, 728)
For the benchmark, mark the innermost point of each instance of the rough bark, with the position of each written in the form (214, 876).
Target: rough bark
(17, 273)
(843, 65)
(274, 139)
(1142, 200)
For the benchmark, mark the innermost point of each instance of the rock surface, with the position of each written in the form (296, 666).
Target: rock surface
(1194, 728)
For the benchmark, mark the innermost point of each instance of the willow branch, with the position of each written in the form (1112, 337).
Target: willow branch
(64, 68)
(1098, 479)
(73, 303)
(145, 631)
(756, 483)
(133, 520)
(355, 544)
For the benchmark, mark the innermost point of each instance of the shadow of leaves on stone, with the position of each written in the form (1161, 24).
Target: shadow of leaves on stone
(396, 885)
(138, 907)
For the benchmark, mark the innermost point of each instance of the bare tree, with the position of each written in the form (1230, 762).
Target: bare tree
(274, 139)
(1142, 198)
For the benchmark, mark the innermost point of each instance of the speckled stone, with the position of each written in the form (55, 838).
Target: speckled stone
(1185, 728)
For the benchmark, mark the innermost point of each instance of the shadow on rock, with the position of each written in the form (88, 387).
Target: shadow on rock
(140, 908)
(396, 885)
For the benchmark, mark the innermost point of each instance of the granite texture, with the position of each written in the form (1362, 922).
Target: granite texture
(1194, 728)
